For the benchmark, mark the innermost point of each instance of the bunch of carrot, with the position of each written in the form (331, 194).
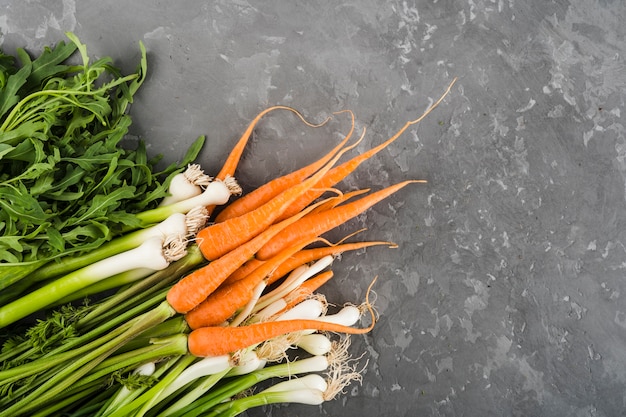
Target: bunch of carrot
(245, 285)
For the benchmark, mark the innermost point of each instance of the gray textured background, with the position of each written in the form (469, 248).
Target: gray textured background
(506, 297)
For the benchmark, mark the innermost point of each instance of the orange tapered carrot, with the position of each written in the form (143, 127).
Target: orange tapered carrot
(318, 223)
(272, 188)
(220, 238)
(215, 341)
(339, 199)
(309, 255)
(306, 289)
(342, 171)
(220, 305)
(243, 270)
(191, 290)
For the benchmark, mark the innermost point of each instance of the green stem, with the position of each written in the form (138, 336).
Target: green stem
(198, 406)
(68, 401)
(74, 281)
(235, 407)
(171, 346)
(175, 325)
(116, 281)
(124, 396)
(142, 404)
(121, 308)
(200, 387)
(57, 357)
(11, 276)
(82, 365)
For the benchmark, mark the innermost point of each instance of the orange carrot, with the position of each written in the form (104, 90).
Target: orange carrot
(191, 290)
(309, 255)
(272, 188)
(226, 300)
(220, 238)
(215, 341)
(243, 270)
(306, 289)
(342, 171)
(318, 223)
(341, 198)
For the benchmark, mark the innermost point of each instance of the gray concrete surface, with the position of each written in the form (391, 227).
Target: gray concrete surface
(507, 294)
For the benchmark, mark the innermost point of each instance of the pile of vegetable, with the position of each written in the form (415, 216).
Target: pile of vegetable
(198, 295)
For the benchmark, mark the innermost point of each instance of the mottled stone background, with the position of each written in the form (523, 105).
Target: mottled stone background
(507, 294)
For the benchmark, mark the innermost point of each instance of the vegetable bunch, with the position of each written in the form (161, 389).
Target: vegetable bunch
(187, 334)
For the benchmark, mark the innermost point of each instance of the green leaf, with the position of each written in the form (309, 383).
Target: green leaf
(193, 151)
(48, 64)
(124, 218)
(30, 150)
(8, 95)
(10, 242)
(82, 48)
(42, 183)
(101, 204)
(4, 149)
(20, 205)
(55, 239)
(73, 175)
(91, 231)
(25, 130)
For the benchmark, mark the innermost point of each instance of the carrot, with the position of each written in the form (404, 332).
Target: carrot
(339, 199)
(318, 223)
(243, 270)
(309, 255)
(226, 300)
(220, 238)
(306, 289)
(342, 171)
(272, 188)
(215, 341)
(191, 290)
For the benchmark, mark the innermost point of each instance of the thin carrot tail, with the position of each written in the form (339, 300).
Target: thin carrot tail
(231, 163)
(319, 223)
(274, 187)
(339, 199)
(340, 172)
(310, 255)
